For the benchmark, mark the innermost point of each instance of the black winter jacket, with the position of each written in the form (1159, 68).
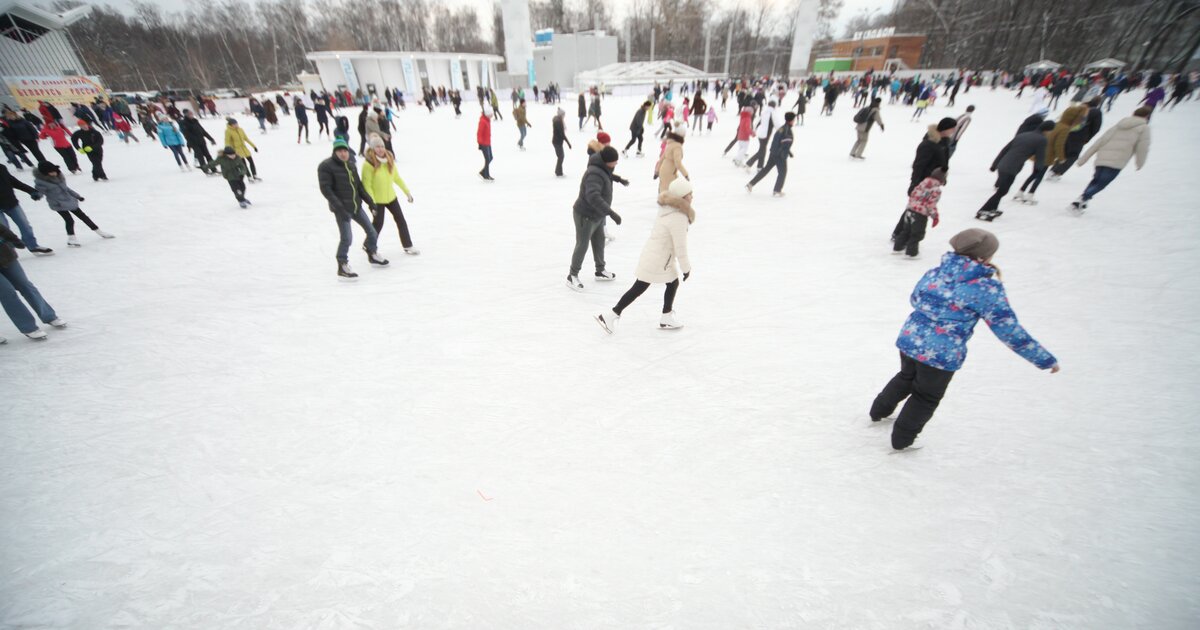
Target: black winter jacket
(87, 138)
(20, 131)
(194, 132)
(8, 198)
(341, 186)
(595, 190)
(933, 152)
(1014, 154)
(639, 120)
(8, 241)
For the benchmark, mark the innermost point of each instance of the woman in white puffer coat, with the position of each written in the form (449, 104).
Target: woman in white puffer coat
(664, 258)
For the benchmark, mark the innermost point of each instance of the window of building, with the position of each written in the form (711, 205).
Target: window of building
(21, 29)
(893, 50)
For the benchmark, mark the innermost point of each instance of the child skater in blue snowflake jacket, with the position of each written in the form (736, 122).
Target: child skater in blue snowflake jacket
(947, 303)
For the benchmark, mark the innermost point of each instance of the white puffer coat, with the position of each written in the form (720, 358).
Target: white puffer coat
(1129, 138)
(668, 243)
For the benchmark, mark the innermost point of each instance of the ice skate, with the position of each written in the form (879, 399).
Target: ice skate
(1078, 206)
(1030, 199)
(574, 283)
(37, 335)
(103, 234)
(345, 271)
(412, 251)
(667, 322)
(640, 154)
(376, 259)
(605, 276)
(72, 241)
(749, 188)
(244, 204)
(988, 215)
(41, 251)
(777, 194)
(912, 257)
(625, 153)
(608, 321)
(1053, 177)
(182, 168)
(58, 323)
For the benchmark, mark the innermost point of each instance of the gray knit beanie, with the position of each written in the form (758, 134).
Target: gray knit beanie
(975, 243)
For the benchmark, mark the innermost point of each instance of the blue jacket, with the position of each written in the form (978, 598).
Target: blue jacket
(168, 135)
(948, 301)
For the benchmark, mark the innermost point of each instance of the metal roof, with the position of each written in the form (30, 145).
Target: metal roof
(642, 72)
(42, 17)
(399, 54)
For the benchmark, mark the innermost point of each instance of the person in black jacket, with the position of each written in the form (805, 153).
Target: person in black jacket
(9, 206)
(1078, 138)
(558, 137)
(583, 112)
(21, 132)
(591, 207)
(1010, 161)
(781, 150)
(90, 142)
(637, 129)
(933, 152)
(14, 283)
(1034, 121)
(321, 108)
(195, 135)
(344, 190)
(301, 119)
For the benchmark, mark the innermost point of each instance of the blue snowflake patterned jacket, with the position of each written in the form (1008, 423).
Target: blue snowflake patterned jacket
(948, 301)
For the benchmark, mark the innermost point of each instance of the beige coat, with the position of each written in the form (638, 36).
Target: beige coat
(668, 243)
(1129, 138)
(671, 165)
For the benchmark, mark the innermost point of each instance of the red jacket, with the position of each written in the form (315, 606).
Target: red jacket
(744, 132)
(58, 133)
(120, 123)
(483, 136)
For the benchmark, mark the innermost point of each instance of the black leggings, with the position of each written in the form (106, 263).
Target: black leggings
(66, 216)
(398, 215)
(639, 288)
(322, 126)
(253, 169)
(302, 127)
(636, 137)
(238, 186)
(1035, 179)
(923, 386)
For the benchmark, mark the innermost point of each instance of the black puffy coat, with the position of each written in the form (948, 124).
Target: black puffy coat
(194, 132)
(20, 131)
(87, 138)
(342, 187)
(933, 152)
(595, 190)
(1012, 158)
(8, 198)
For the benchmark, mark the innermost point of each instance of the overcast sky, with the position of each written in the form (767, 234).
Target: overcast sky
(484, 7)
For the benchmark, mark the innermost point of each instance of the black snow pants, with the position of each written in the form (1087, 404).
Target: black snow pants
(923, 386)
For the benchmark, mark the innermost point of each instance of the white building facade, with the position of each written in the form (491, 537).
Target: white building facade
(373, 72)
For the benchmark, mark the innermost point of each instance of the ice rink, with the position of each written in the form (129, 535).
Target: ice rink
(227, 436)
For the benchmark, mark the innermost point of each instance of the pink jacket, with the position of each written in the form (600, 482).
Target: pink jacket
(925, 196)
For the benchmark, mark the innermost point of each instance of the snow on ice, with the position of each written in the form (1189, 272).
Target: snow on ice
(228, 437)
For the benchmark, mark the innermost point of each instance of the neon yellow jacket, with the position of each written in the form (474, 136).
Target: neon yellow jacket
(236, 137)
(378, 182)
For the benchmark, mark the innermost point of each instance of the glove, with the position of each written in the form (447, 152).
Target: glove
(410, 199)
(615, 217)
(79, 198)
(256, 149)
(35, 196)
(19, 244)
(993, 169)
(935, 221)
(686, 274)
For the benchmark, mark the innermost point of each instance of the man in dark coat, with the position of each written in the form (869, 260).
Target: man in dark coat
(1010, 161)
(591, 207)
(344, 191)
(195, 135)
(21, 132)
(781, 150)
(637, 129)
(90, 142)
(933, 152)
(1078, 138)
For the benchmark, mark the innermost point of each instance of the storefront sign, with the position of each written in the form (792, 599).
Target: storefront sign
(874, 33)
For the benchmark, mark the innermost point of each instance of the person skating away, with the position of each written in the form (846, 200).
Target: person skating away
(90, 142)
(1009, 162)
(11, 208)
(1153, 97)
(637, 129)
(172, 139)
(14, 285)
(922, 103)
(14, 153)
(766, 127)
(345, 193)
(594, 112)
(124, 129)
(558, 137)
(60, 137)
(269, 113)
(236, 137)
(1129, 138)
(301, 120)
(593, 205)
(1078, 137)
(781, 150)
(800, 106)
(522, 122)
(379, 174)
(745, 131)
(670, 162)
(948, 301)
(668, 242)
(483, 138)
(960, 127)
(863, 121)
(1056, 143)
(377, 125)
(920, 212)
(21, 132)
(234, 170)
(260, 114)
(49, 180)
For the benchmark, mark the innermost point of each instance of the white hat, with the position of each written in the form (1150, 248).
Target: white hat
(375, 141)
(680, 188)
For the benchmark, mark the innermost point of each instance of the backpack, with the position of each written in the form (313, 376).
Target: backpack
(861, 116)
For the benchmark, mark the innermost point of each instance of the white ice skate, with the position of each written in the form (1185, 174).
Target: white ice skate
(412, 251)
(1019, 197)
(58, 323)
(667, 322)
(608, 321)
(1053, 177)
(103, 234)
(605, 276)
(72, 241)
(1078, 206)
(574, 283)
(37, 335)
(1030, 199)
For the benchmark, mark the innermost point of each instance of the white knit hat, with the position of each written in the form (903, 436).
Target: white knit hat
(680, 188)
(375, 141)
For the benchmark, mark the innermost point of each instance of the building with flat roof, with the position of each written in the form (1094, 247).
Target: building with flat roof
(372, 72)
(38, 60)
(881, 50)
(560, 57)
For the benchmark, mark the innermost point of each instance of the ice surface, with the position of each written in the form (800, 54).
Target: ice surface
(228, 437)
